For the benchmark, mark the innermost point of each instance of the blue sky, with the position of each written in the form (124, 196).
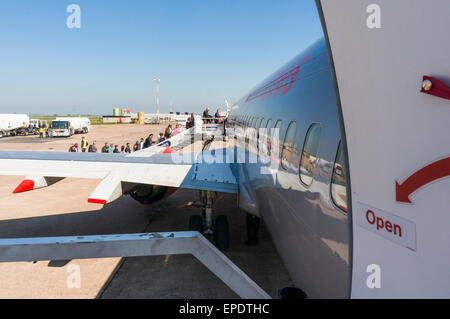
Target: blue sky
(203, 52)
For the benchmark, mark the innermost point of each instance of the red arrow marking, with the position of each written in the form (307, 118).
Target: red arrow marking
(428, 174)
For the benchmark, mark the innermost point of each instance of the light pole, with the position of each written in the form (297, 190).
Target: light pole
(157, 95)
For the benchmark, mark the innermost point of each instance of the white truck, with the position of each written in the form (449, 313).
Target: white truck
(11, 124)
(67, 126)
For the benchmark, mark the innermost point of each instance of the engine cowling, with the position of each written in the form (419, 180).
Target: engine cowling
(149, 194)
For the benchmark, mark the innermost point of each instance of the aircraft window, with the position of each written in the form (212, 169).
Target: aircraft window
(308, 160)
(288, 145)
(260, 125)
(257, 123)
(257, 127)
(268, 146)
(338, 181)
(276, 141)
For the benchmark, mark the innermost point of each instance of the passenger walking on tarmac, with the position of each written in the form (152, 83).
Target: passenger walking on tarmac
(168, 132)
(151, 139)
(116, 149)
(128, 148)
(92, 148)
(188, 123)
(176, 130)
(148, 141)
(161, 138)
(136, 146)
(122, 149)
(141, 144)
(192, 121)
(84, 144)
(76, 148)
(111, 148)
(105, 149)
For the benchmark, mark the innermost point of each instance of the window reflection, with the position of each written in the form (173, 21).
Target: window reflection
(268, 144)
(338, 181)
(276, 135)
(309, 154)
(288, 145)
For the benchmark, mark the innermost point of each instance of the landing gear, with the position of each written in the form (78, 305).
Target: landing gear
(252, 230)
(204, 224)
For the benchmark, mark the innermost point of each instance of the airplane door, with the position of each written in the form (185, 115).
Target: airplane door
(392, 72)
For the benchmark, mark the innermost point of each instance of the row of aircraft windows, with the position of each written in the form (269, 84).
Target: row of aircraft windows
(308, 158)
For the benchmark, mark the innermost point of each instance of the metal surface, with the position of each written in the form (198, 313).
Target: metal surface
(394, 131)
(133, 245)
(311, 234)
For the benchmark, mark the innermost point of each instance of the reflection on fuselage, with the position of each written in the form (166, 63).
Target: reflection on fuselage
(291, 182)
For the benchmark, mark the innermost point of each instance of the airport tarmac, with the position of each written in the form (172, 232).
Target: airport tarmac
(62, 210)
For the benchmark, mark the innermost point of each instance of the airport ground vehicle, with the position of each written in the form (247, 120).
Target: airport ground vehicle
(26, 131)
(35, 124)
(12, 124)
(352, 180)
(67, 126)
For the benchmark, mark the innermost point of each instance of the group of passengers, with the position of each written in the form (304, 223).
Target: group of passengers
(126, 149)
(208, 119)
(84, 147)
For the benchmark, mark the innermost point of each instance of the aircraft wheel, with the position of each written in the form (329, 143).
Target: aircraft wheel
(221, 233)
(196, 223)
(252, 230)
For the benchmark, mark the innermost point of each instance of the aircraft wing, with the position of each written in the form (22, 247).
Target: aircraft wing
(202, 170)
